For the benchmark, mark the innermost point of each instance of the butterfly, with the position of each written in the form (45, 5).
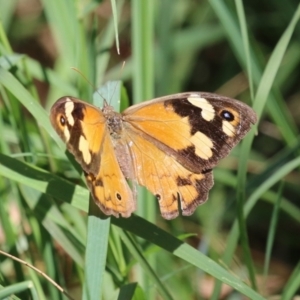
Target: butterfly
(169, 145)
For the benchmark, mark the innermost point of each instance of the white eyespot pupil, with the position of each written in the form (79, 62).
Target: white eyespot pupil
(62, 121)
(228, 116)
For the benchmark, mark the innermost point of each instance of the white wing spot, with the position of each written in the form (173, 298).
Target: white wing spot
(69, 107)
(207, 110)
(228, 128)
(203, 145)
(84, 148)
(66, 133)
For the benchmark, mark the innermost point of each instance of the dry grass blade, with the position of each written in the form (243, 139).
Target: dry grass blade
(38, 271)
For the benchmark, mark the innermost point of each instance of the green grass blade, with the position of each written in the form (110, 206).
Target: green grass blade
(184, 251)
(259, 103)
(43, 181)
(143, 89)
(115, 18)
(261, 97)
(272, 230)
(292, 285)
(245, 38)
(98, 227)
(260, 190)
(131, 291)
(144, 232)
(16, 288)
(143, 73)
(96, 250)
(27, 100)
(143, 262)
(273, 65)
(107, 40)
(275, 104)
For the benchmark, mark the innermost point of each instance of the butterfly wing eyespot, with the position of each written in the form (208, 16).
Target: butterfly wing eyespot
(62, 120)
(227, 115)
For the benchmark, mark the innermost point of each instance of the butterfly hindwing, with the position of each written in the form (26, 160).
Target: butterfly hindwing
(175, 187)
(109, 187)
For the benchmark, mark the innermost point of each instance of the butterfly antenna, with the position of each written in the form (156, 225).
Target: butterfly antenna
(76, 70)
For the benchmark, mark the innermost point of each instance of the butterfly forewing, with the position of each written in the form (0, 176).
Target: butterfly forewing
(197, 128)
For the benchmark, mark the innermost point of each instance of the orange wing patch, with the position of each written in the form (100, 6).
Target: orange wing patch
(174, 131)
(109, 187)
(167, 179)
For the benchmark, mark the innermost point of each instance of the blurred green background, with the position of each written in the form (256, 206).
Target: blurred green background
(250, 225)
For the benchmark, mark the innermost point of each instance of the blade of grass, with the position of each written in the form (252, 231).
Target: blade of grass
(19, 91)
(16, 288)
(145, 264)
(245, 38)
(51, 264)
(143, 88)
(115, 18)
(275, 105)
(292, 285)
(116, 252)
(30, 284)
(96, 251)
(261, 97)
(157, 236)
(43, 181)
(272, 230)
(98, 226)
(5, 47)
(131, 291)
(260, 190)
(7, 12)
(272, 67)
(63, 190)
(286, 206)
(142, 36)
(67, 24)
(136, 225)
(162, 239)
(107, 39)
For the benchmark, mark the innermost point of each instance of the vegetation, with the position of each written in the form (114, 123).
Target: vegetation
(242, 242)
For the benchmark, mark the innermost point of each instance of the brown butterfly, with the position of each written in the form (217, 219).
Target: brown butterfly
(169, 145)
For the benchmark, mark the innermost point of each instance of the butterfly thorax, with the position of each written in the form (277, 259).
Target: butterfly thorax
(114, 121)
